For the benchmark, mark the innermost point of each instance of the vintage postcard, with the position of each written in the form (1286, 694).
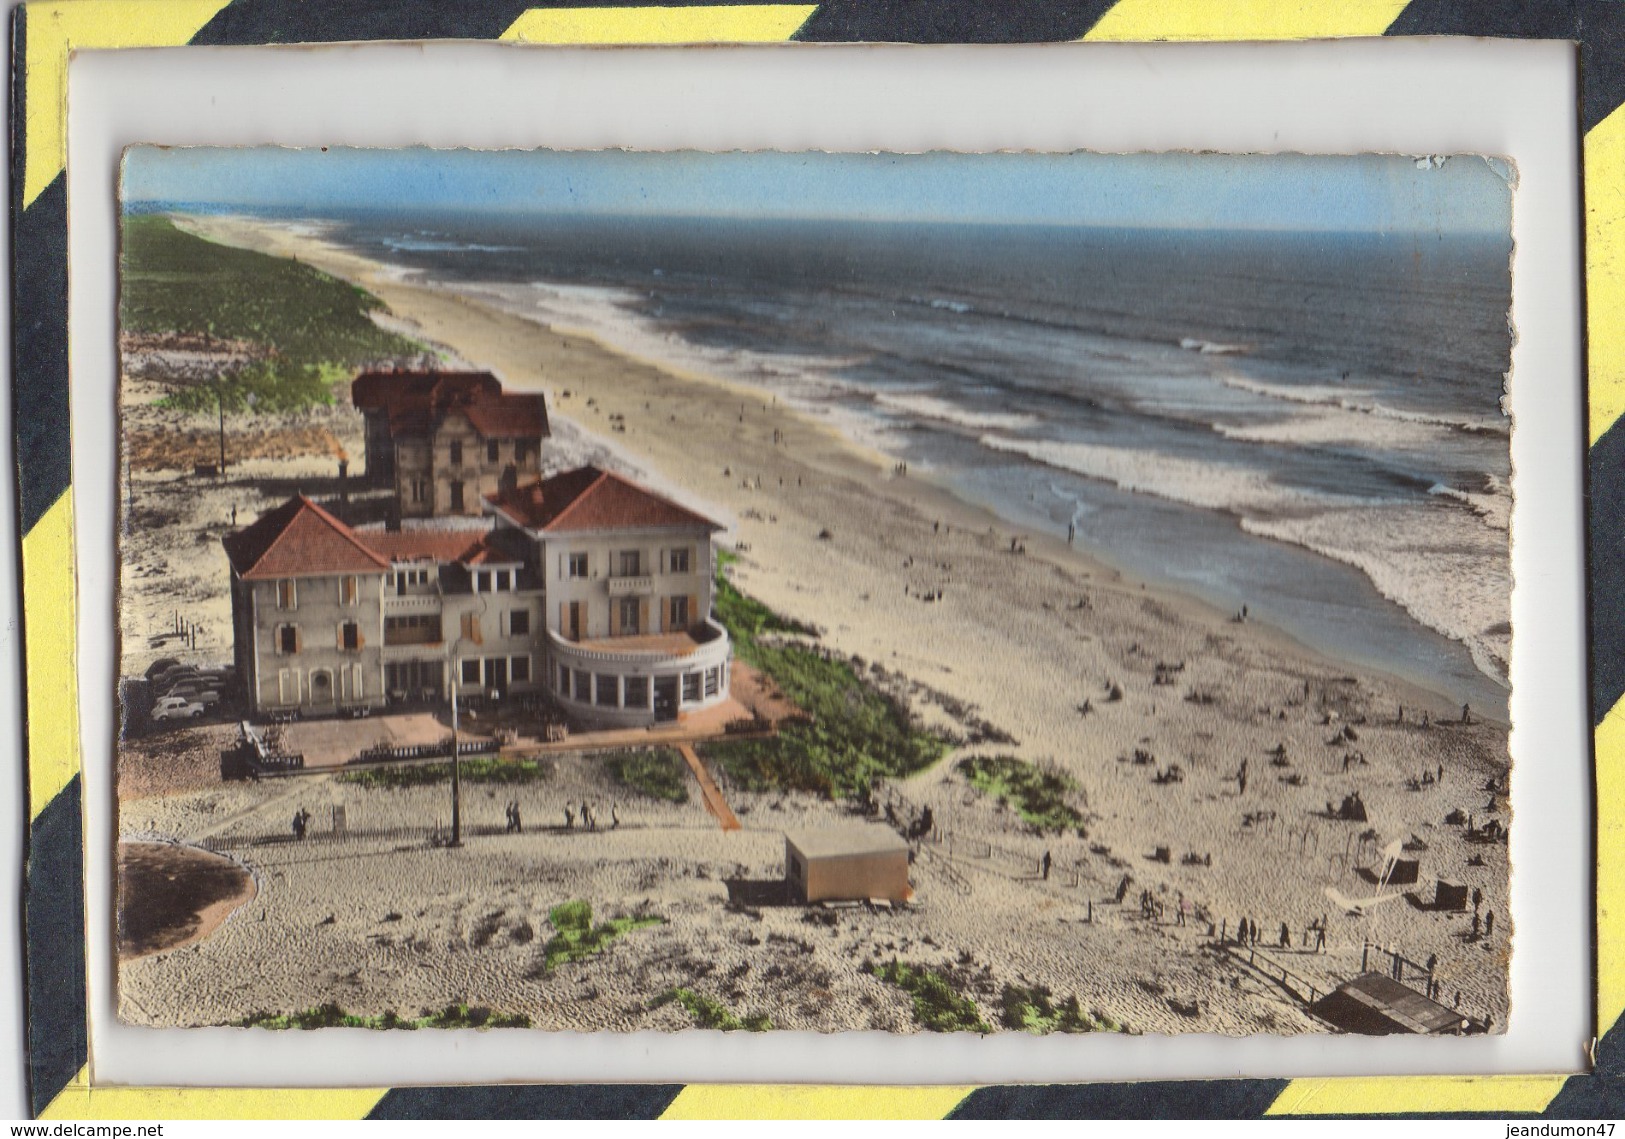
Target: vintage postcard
(610, 591)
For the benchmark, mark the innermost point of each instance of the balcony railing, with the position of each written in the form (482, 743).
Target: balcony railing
(627, 586)
(710, 647)
(411, 603)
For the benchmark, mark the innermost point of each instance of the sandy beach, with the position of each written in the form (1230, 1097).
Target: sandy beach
(1079, 666)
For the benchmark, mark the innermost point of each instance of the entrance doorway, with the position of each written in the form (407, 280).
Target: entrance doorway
(665, 699)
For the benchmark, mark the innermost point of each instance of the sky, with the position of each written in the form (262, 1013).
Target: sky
(1181, 191)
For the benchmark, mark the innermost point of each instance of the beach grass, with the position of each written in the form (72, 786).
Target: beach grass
(331, 1015)
(854, 735)
(1033, 1009)
(1039, 796)
(313, 327)
(577, 938)
(476, 769)
(709, 1013)
(657, 772)
(936, 1005)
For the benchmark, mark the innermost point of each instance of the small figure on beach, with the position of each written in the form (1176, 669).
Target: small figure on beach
(614, 816)
(1466, 714)
(1044, 865)
(1478, 926)
(1071, 531)
(569, 817)
(301, 819)
(1402, 713)
(1478, 898)
(1426, 721)
(588, 819)
(1286, 937)
(1489, 924)
(1182, 909)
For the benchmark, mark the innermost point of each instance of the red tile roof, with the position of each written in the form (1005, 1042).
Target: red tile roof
(471, 548)
(416, 402)
(299, 539)
(423, 545)
(589, 499)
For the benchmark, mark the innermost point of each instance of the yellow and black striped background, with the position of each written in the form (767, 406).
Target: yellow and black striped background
(43, 34)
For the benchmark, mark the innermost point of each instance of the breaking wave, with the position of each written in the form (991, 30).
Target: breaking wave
(1443, 561)
(1344, 399)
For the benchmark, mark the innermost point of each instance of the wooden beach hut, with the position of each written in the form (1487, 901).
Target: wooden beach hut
(847, 864)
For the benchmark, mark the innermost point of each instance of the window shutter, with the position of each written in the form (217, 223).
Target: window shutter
(614, 618)
(564, 618)
(340, 643)
(693, 610)
(298, 641)
(356, 677)
(643, 614)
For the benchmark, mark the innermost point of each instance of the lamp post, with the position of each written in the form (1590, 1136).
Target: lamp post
(456, 754)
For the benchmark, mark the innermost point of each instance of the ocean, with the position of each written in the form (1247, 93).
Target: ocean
(1307, 424)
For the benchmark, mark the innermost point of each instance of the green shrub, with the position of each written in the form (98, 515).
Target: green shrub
(857, 734)
(1032, 1009)
(315, 325)
(476, 769)
(1038, 796)
(708, 1013)
(578, 938)
(330, 1015)
(936, 1005)
(659, 773)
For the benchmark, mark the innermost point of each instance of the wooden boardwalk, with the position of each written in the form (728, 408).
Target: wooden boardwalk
(714, 802)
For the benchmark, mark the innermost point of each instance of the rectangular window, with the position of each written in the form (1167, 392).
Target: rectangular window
(691, 687)
(501, 579)
(637, 692)
(356, 683)
(573, 622)
(456, 496)
(677, 560)
(583, 685)
(287, 686)
(287, 594)
(577, 565)
(348, 589)
(287, 638)
(713, 681)
(564, 681)
(471, 628)
(350, 637)
(677, 616)
(609, 690)
(420, 490)
(631, 563)
(482, 582)
(456, 452)
(491, 452)
(471, 671)
(631, 608)
(519, 669)
(519, 623)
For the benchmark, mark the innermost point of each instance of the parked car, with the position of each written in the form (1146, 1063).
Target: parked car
(168, 677)
(177, 708)
(162, 664)
(202, 693)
